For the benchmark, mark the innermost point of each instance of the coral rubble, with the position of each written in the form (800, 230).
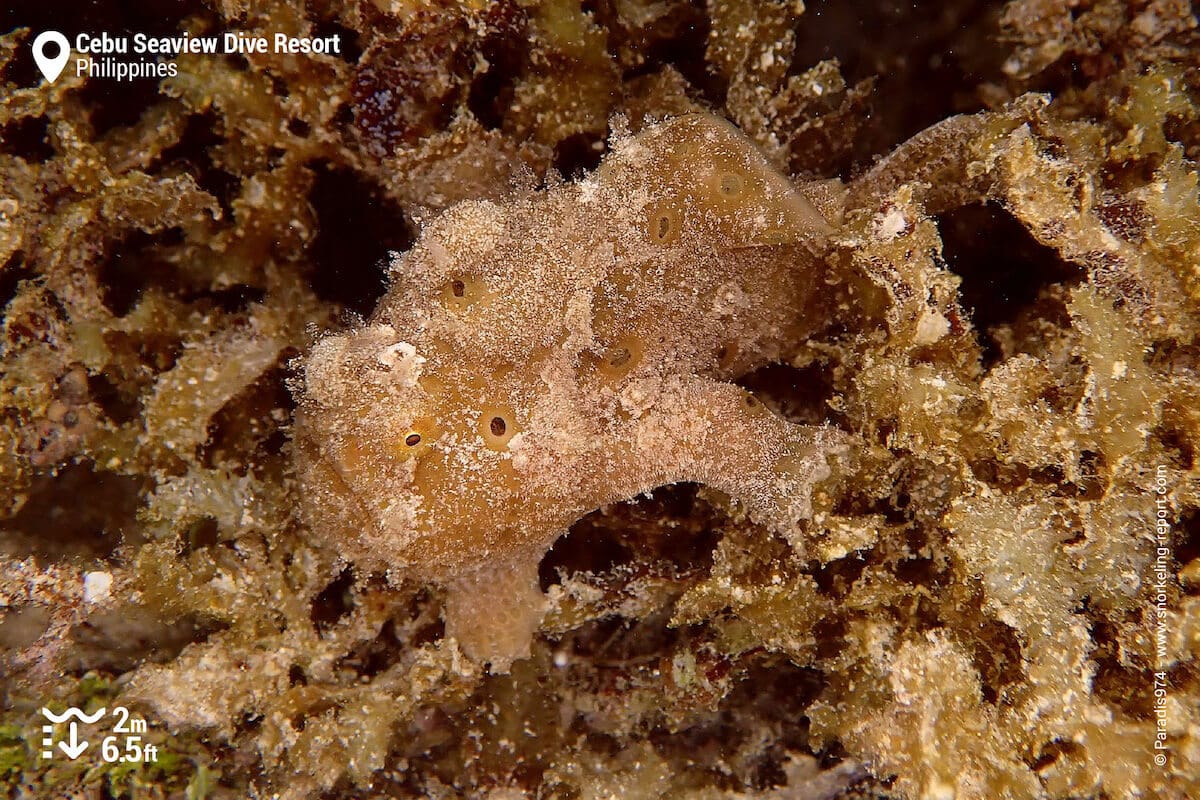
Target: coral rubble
(993, 592)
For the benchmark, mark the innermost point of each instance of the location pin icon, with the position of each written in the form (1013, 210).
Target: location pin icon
(51, 67)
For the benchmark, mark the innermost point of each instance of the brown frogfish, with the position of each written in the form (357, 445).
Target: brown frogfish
(538, 358)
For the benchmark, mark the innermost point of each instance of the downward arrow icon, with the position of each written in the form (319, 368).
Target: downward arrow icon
(75, 749)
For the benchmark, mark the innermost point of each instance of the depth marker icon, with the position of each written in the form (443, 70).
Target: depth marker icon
(51, 67)
(73, 747)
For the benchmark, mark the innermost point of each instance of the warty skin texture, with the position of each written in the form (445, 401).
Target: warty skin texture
(539, 358)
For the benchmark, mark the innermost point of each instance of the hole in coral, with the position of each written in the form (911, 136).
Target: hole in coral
(616, 642)
(80, 513)
(249, 428)
(119, 402)
(204, 532)
(458, 288)
(299, 128)
(350, 49)
(231, 300)
(1093, 480)
(22, 72)
(249, 721)
(579, 154)
(297, 676)
(671, 530)
(1003, 268)
(997, 656)
(677, 36)
(497, 426)
(117, 105)
(334, 602)
(413, 439)
(279, 86)
(27, 138)
(506, 50)
(771, 692)
(837, 577)
(1117, 681)
(12, 273)
(907, 48)
(800, 394)
(1187, 538)
(192, 154)
(919, 572)
(587, 548)
(830, 636)
(1053, 751)
(137, 263)
(1176, 446)
(357, 229)
(374, 656)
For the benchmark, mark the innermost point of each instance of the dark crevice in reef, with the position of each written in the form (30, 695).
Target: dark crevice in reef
(837, 577)
(1003, 268)
(233, 299)
(21, 72)
(1126, 686)
(27, 138)
(587, 548)
(333, 602)
(799, 394)
(192, 154)
(134, 265)
(370, 658)
(671, 530)
(357, 228)
(248, 430)
(506, 51)
(199, 535)
(12, 273)
(618, 642)
(112, 104)
(116, 104)
(677, 38)
(773, 695)
(351, 46)
(117, 401)
(909, 47)
(997, 656)
(78, 513)
(578, 155)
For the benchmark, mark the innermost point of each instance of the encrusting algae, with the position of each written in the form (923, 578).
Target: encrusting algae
(638, 399)
(541, 357)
